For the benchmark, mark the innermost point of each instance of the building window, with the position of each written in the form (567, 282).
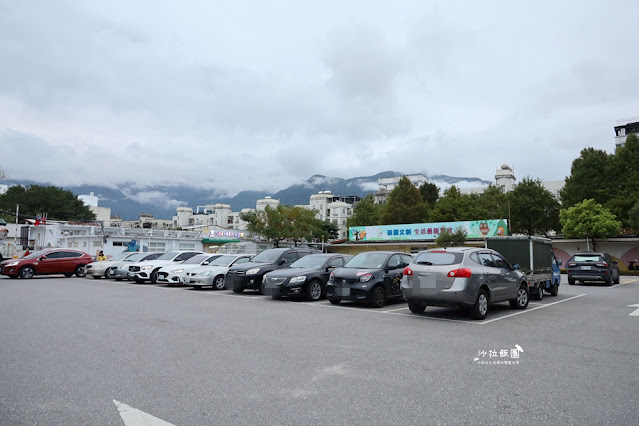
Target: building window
(117, 244)
(97, 243)
(156, 246)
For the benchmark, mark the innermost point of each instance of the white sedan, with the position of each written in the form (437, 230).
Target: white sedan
(214, 274)
(173, 274)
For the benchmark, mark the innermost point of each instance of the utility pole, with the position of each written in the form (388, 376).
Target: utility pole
(15, 236)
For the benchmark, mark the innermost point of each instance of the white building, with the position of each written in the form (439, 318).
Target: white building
(624, 128)
(102, 214)
(266, 201)
(505, 177)
(333, 208)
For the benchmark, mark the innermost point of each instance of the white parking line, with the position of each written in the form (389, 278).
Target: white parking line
(533, 309)
(374, 311)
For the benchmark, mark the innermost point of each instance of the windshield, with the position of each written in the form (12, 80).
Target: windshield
(169, 255)
(36, 254)
(310, 261)
(267, 256)
(438, 258)
(588, 258)
(120, 256)
(367, 260)
(223, 261)
(196, 260)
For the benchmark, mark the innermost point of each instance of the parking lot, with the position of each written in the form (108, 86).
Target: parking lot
(79, 351)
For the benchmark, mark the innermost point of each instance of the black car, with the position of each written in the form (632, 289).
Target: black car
(305, 278)
(592, 267)
(370, 277)
(249, 275)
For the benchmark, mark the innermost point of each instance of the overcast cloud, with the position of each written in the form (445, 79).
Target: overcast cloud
(260, 95)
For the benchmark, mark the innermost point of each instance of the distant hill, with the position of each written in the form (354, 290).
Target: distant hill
(128, 200)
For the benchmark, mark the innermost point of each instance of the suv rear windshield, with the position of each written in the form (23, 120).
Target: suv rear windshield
(438, 258)
(588, 258)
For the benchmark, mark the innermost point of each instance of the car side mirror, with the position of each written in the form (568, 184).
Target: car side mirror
(205, 263)
(283, 261)
(42, 257)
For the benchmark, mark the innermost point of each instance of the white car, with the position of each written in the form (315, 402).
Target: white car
(173, 274)
(214, 274)
(148, 270)
(101, 269)
(120, 270)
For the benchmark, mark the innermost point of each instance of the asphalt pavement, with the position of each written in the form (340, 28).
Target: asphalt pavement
(79, 351)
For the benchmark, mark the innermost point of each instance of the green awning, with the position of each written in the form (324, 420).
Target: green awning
(216, 241)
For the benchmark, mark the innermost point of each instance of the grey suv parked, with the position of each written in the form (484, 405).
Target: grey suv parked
(592, 267)
(249, 275)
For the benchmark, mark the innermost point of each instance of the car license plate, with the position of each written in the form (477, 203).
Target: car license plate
(586, 268)
(343, 291)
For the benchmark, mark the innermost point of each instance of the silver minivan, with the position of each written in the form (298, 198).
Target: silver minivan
(465, 277)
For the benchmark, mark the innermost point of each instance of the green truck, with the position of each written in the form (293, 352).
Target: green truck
(534, 257)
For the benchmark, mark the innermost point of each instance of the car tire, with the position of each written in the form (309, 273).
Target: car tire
(314, 291)
(521, 301)
(68, 274)
(107, 274)
(608, 282)
(554, 290)
(571, 281)
(334, 301)
(416, 308)
(154, 277)
(617, 279)
(378, 297)
(27, 272)
(80, 271)
(480, 308)
(539, 295)
(219, 283)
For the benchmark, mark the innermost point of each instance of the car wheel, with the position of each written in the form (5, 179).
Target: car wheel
(539, 295)
(571, 281)
(107, 274)
(554, 289)
(154, 277)
(608, 282)
(27, 272)
(334, 301)
(219, 283)
(378, 297)
(480, 308)
(617, 279)
(68, 274)
(416, 308)
(314, 290)
(521, 302)
(80, 271)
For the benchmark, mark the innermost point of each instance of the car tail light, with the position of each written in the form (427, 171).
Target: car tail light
(407, 271)
(460, 273)
(572, 264)
(602, 264)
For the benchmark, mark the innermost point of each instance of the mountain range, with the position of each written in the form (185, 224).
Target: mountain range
(128, 200)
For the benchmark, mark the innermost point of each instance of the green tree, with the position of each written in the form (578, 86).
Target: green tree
(589, 219)
(533, 209)
(284, 222)
(57, 203)
(365, 213)
(451, 239)
(430, 193)
(623, 180)
(588, 178)
(330, 230)
(454, 206)
(494, 201)
(404, 205)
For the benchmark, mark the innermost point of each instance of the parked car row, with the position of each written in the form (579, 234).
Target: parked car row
(467, 277)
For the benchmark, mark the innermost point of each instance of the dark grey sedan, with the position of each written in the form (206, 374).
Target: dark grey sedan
(463, 277)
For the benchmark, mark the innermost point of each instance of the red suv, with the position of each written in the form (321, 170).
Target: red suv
(50, 261)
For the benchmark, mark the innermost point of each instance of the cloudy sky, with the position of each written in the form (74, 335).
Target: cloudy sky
(259, 95)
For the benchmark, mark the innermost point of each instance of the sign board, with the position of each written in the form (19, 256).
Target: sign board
(427, 231)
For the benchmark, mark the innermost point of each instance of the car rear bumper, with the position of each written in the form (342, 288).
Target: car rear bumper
(589, 277)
